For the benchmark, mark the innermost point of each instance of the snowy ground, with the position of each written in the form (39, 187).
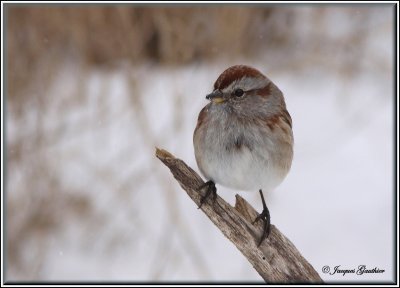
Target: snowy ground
(129, 220)
(336, 205)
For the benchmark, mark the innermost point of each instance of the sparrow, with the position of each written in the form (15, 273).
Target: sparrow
(243, 138)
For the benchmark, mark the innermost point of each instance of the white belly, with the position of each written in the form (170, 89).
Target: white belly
(241, 169)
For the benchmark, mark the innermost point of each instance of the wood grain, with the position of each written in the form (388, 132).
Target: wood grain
(277, 260)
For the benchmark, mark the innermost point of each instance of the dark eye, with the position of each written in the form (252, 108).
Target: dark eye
(238, 92)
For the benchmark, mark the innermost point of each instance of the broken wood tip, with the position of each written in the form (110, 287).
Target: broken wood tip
(163, 154)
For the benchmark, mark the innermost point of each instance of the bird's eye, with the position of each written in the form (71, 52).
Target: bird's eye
(238, 92)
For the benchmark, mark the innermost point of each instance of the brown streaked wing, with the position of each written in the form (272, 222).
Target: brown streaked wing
(287, 118)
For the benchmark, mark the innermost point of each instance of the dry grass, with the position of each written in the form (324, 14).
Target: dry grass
(40, 36)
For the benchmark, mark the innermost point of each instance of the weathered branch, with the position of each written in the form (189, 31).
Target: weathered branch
(276, 260)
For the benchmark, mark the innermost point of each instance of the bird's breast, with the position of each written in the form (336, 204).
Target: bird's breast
(238, 155)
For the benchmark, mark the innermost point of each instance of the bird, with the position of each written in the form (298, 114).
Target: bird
(243, 138)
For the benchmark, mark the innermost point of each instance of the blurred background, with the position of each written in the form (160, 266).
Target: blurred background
(92, 90)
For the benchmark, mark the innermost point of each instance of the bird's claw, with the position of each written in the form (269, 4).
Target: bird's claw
(211, 189)
(265, 216)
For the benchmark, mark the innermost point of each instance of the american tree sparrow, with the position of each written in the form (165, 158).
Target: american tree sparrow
(243, 138)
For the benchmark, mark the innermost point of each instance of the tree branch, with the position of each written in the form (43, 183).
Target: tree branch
(276, 260)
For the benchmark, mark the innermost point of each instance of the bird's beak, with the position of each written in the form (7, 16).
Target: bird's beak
(216, 96)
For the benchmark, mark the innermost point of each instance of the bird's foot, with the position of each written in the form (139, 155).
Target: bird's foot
(211, 190)
(266, 218)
